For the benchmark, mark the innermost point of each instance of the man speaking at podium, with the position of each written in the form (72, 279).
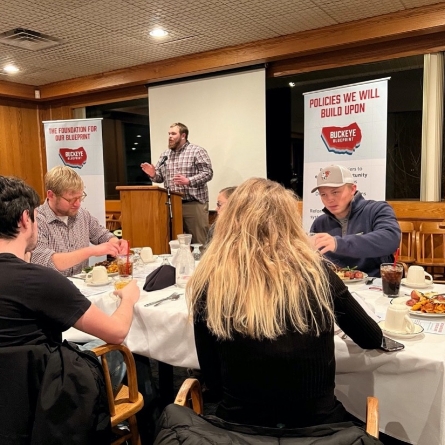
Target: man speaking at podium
(185, 168)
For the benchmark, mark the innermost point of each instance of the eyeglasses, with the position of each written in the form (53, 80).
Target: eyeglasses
(71, 201)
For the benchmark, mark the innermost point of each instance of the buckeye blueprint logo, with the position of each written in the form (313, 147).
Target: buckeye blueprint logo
(74, 158)
(342, 140)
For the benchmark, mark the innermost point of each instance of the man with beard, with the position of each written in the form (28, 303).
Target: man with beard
(66, 229)
(186, 168)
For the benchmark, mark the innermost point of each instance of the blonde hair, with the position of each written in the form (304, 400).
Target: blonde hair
(62, 178)
(259, 273)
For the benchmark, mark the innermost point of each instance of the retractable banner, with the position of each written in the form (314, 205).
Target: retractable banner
(77, 143)
(345, 126)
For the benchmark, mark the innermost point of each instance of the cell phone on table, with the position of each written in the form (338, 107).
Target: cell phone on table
(390, 345)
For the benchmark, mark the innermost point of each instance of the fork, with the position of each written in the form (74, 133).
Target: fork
(173, 296)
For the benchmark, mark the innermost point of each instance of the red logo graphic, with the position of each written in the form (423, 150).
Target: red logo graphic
(325, 175)
(342, 140)
(73, 157)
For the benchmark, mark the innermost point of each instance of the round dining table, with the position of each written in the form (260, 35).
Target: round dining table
(408, 383)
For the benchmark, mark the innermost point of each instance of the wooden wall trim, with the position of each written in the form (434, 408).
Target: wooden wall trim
(376, 52)
(16, 90)
(404, 210)
(390, 27)
(419, 211)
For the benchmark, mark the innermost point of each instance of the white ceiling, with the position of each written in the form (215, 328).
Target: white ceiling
(104, 35)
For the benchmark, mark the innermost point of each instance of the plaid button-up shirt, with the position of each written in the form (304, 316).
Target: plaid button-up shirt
(190, 161)
(54, 236)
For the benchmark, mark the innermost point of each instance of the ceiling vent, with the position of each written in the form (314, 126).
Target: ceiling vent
(27, 39)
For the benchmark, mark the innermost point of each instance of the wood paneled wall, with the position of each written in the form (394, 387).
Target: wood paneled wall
(20, 149)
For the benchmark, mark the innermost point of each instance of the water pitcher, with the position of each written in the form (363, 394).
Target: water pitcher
(184, 261)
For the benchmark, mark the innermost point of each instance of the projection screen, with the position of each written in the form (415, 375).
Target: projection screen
(225, 114)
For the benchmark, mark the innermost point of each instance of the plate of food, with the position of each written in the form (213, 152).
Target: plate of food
(423, 304)
(351, 275)
(111, 267)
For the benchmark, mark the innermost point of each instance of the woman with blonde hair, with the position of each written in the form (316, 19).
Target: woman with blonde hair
(264, 305)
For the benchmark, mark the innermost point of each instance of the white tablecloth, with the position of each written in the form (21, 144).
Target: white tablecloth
(409, 383)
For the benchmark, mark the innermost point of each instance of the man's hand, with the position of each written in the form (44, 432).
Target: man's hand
(108, 248)
(122, 244)
(324, 242)
(130, 292)
(181, 180)
(148, 169)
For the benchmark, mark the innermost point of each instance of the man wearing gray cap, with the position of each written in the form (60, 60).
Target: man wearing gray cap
(353, 231)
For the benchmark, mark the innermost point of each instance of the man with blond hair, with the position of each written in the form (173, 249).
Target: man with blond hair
(186, 168)
(66, 229)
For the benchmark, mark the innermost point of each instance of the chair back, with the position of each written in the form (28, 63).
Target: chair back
(127, 401)
(407, 242)
(430, 244)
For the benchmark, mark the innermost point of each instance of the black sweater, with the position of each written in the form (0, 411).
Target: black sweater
(288, 381)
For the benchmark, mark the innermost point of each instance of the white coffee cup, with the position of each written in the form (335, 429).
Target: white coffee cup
(417, 276)
(98, 275)
(397, 319)
(147, 255)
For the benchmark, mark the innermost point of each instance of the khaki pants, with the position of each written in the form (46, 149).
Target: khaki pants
(195, 216)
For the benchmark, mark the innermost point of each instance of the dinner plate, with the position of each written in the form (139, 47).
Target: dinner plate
(403, 300)
(426, 314)
(417, 331)
(355, 280)
(416, 286)
(106, 283)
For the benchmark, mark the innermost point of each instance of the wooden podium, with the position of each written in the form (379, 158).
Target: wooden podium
(145, 217)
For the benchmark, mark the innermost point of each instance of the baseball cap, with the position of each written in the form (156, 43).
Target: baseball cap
(333, 176)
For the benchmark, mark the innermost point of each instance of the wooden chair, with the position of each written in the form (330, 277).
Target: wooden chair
(190, 395)
(407, 242)
(430, 249)
(111, 223)
(128, 401)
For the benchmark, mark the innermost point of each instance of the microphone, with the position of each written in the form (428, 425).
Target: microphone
(164, 159)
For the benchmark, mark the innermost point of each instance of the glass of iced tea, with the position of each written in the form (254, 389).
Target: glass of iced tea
(391, 278)
(125, 265)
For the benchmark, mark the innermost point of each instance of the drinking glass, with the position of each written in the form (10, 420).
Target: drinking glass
(391, 278)
(165, 258)
(196, 252)
(125, 265)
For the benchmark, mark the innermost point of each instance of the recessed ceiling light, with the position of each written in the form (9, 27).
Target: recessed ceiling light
(11, 69)
(136, 143)
(158, 32)
(133, 148)
(291, 84)
(138, 135)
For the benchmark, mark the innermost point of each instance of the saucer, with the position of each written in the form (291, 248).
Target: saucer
(416, 286)
(417, 330)
(104, 283)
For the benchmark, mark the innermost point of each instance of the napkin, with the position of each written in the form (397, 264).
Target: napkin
(160, 278)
